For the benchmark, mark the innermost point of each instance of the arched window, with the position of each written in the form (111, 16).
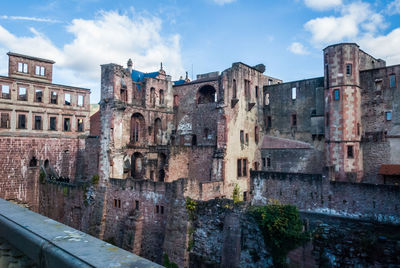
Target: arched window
(206, 94)
(137, 128)
(137, 167)
(152, 97)
(33, 162)
(157, 131)
(266, 99)
(176, 100)
(161, 97)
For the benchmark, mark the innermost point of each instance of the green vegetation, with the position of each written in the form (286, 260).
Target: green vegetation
(282, 229)
(95, 179)
(167, 263)
(236, 194)
(191, 206)
(65, 191)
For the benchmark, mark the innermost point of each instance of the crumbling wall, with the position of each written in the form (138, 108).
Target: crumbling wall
(316, 193)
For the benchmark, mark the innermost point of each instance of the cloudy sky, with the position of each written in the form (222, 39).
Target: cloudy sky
(199, 35)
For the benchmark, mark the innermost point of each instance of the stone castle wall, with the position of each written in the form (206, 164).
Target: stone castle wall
(315, 193)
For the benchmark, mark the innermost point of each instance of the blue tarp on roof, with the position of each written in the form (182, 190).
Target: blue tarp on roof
(138, 76)
(179, 82)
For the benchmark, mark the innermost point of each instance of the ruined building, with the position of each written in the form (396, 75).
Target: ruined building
(322, 143)
(41, 124)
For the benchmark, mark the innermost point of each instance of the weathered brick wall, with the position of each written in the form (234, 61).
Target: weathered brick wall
(316, 193)
(19, 181)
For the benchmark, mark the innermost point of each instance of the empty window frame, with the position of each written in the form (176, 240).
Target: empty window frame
(239, 167)
(79, 124)
(22, 121)
(137, 205)
(22, 67)
(294, 93)
(392, 80)
(247, 88)
(234, 89)
(388, 116)
(242, 136)
(294, 120)
(176, 100)
(269, 122)
(266, 99)
(268, 162)
(161, 97)
(80, 100)
(38, 95)
(38, 122)
(67, 124)
(67, 99)
(269, 81)
(53, 123)
(256, 91)
(22, 94)
(5, 120)
(349, 68)
(350, 151)
(247, 138)
(336, 94)
(5, 92)
(242, 167)
(39, 70)
(53, 97)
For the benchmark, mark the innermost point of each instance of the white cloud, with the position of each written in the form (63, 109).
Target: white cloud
(5, 17)
(223, 2)
(394, 7)
(111, 37)
(354, 18)
(383, 46)
(322, 4)
(298, 48)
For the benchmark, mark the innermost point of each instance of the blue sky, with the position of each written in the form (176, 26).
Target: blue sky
(287, 35)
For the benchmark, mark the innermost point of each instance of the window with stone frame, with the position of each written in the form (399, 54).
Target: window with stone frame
(388, 116)
(37, 122)
(22, 94)
(256, 134)
(161, 97)
(350, 151)
(67, 124)
(241, 136)
(38, 95)
(392, 80)
(53, 123)
(247, 89)
(54, 97)
(263, 162)
(294, 93)
(79, 124)
(21, 121)
(294, 120)
(266, 99)
(80, 100)
(269, 122)
(67, 99)
(5, 92)
(349, 68)
(39, 70)
(234, 90)
(268, 162)
(256, 92)
(22, 67)
(336, 94)
(5, 120)
(242, 167)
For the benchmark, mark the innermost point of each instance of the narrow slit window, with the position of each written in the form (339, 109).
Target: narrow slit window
(392, 80)
(350, 152)
(388, 116)
(336, 94)
(294, 120)
(348, 69)
(294, 93)
(239, 167)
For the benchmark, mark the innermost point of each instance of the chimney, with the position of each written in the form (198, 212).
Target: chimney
(130, 64)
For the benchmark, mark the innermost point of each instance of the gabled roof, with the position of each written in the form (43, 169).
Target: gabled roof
(138, 76)
(270, 142)
(389, 169)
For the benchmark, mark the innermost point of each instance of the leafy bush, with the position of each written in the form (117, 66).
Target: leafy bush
(95, 179)
(191, 206)
(282, 229)
(167, 263)
(236, 194)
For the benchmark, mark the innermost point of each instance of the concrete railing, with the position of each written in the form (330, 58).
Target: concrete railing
(30, 238)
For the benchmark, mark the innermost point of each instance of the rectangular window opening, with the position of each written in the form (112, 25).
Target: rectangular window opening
(67, 124)
(53, 123)
(67, 99)
(294, 120)
(53, 97)
(239, 167)
(22, 96)
(348, 69)
(350, 152)
(5, 120)
(242, 136)
(21, 121)
(392, 80)
(336, 94)
(38, 95)
(388, 116)
(38, 122)
(80, 100)
(268, 162)
(5, 92)
(79, 126)
(294, 93)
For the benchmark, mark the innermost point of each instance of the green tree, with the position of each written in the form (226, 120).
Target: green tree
(282, 229)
